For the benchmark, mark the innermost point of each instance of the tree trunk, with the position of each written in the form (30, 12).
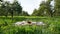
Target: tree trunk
(12, 16)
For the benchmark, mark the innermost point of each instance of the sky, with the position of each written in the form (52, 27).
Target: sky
(30, 5)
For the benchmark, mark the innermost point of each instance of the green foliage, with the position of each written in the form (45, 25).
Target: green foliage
(7, 8)
(35, 12)
(16, 7)
(45, 9)
(57, 7)
(24, 13)
(52, 25)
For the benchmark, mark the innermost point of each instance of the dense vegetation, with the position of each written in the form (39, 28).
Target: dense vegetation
(11, 13)
(45, 9)
(48, 9)
(52, 25)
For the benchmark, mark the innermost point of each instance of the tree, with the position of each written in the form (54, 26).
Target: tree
(41, 10)
(4, 8)
(1, 0)
(0, 8)
(24, 13)
(57, 7)
(44, 9)
(17, 7)
(11, 8)
(7, 8)
(49, 8)
(35, 12)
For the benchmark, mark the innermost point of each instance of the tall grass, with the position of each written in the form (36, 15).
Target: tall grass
(52, 25)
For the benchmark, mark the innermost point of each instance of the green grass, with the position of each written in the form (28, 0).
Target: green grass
(52, 25)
